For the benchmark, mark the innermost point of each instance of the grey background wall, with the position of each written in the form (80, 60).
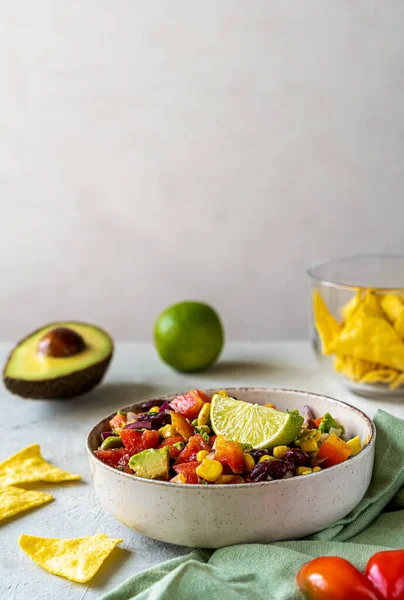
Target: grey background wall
(156, 150)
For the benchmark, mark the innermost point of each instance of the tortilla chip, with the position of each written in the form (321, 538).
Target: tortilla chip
(76, 559)
(14, 500)
(392, 306)
(371, 338)
(353, 368)
(28, 466)
(350, 307)
(327, 326)
(379, 376)
(397, 382)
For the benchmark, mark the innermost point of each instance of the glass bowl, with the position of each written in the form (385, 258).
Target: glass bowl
(358, 322)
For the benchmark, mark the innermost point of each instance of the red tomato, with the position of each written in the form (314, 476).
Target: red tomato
(181, 425)
(117, 422)
(189, 470)
(174, 452)
(190, 451)
(317, 422)
(386, 571)
(212, 439)
(334, 578)
(117, 457)
(136, 441)
(190, 404)
(230, 454)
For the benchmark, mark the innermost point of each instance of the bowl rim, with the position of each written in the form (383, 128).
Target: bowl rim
(347, 286)
(158, 482)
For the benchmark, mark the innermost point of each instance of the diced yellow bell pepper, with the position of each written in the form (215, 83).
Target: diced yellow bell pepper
(355, 445)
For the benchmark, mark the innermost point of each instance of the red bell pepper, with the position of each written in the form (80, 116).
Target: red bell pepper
(189, 470)
(334, 578)
(386, 571)
(116, 457)
(181, 425)
(334, 450)
(190, 404)
(195, 444)
(118, 422)
(174, 452)
(136, 441)
(230, 454)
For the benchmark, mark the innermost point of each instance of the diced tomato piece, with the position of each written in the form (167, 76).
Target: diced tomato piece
(114, 458)
(334, 450)
(212, 440)
(136, 441)
(181, 425)
(117, 422)
(230, 454)
(190, 451)
(317, 422)
(174, 452)
(189, 470)
(190, 404)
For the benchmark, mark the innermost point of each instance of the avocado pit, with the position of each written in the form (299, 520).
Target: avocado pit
(61, 342)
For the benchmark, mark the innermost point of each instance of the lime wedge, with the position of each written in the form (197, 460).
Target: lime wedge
(247, 423)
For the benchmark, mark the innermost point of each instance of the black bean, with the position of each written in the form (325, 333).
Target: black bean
(298, 457)
(268, 470)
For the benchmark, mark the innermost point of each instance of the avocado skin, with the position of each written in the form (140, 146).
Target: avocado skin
(58, 388)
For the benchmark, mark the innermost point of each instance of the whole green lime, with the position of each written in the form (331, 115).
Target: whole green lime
(189, 336)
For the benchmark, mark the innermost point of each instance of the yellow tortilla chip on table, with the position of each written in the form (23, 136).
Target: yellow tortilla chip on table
(350, 307)
(15, 500)
(369, 337)
(327, 326)
(75, 559)
(28, 466)
(397, 382)
(379, 376)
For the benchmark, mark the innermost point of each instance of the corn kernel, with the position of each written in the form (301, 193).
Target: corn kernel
(309, 446)
(204, 414)
(209, 469)
(201, 455)
(367, 440)
(355, 445)
(222, 393)
(280, 451)
(303, 471)
(316, 469)
(266, 457)
(167, 431)
(248, 462)
(154, 409)
(270, 405)
(224, 479)
(317, 435)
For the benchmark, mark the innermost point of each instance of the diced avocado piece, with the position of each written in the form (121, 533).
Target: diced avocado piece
(59, 360)
(327, 422)
(112, 441)
(151, 464)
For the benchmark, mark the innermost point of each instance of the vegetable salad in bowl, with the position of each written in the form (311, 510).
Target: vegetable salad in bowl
(201, 439)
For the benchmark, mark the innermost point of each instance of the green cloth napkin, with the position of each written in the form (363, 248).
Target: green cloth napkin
(267, 571)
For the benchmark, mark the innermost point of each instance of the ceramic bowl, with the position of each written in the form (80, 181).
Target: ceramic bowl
(212, 516)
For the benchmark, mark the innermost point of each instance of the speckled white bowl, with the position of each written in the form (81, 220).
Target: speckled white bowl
(212, 516)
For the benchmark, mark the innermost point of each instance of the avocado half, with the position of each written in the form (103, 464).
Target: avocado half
(60, 360)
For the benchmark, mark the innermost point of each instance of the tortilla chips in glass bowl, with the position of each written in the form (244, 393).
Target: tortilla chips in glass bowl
(358, 321)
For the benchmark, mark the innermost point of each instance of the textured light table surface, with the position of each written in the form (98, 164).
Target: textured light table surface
(61, 428)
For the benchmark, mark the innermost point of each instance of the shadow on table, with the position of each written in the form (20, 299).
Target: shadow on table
(235, 368)
(113, 564)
